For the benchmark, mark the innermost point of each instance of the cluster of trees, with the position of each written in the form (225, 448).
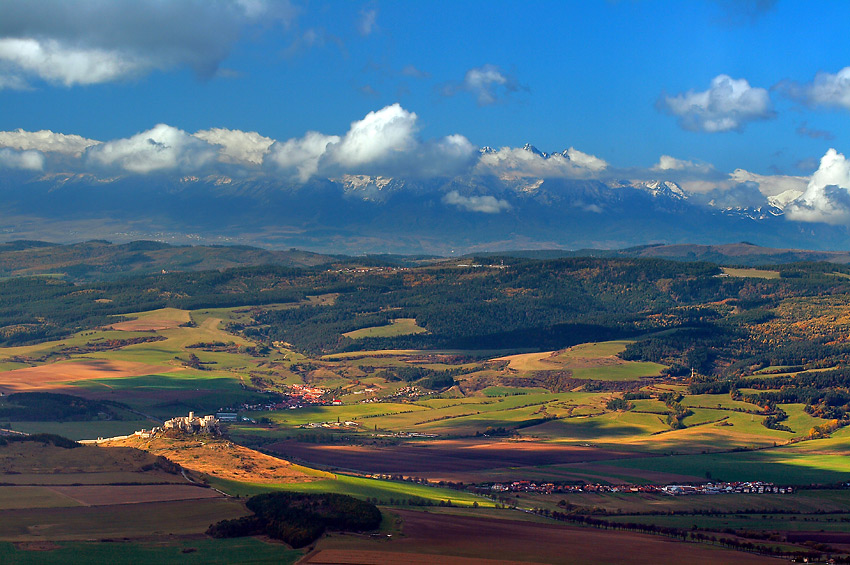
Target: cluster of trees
(47, 439)
(55, 407)
(422, 376)
(300, 518)
(826, 394)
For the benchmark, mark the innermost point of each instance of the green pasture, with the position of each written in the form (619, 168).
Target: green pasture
(361, 487)
(783, 466)
(178, 380)
(496, 391)
(594, 350)
(625, 371)
(399, 326)
(719, 401)
(200, 551)
(57, 346)
(355, 412)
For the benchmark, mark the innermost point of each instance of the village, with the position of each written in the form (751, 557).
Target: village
(754, 487)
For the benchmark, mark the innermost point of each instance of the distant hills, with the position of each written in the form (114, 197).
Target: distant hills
(100, 260)
(743, 254)
(104, 260)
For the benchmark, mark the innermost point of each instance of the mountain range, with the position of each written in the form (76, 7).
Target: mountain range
(357, 214)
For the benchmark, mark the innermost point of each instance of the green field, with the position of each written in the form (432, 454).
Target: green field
(386, 492)
(399, 326)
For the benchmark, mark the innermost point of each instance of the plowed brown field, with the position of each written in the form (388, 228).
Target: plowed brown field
(427, 459)
(103, 495)
(445, 537)
(47, 377)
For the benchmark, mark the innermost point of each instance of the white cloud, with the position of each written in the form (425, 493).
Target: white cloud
(771, 185)
(827, 196)
(513, 163)
(368, 22)
(487, 83)
(827, 89)
(69, 66)
(46, 141)
(384, 142)
(378, 136)
(668, 163)
(162, 148)
(300, 157)
(237, 147)
(585, 160)
(96, 41)
(485, 204)
(727, 105)
(29, 160)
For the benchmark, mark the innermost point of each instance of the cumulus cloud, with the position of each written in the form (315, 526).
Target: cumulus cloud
(827, 90)
(65, 65)
(163, 148)
(237, 147)
(386, 142)
(28, 160)
(729, 104)
(668, 163)
(488, 84)
(514, 163)
(376, 137)
(46, 141)
(827, 195)
(96, 41)
(300, 157)
(484, 204)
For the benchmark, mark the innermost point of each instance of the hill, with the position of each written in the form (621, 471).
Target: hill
(99, 260)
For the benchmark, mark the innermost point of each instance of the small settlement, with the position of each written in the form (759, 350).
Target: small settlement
(755, 487)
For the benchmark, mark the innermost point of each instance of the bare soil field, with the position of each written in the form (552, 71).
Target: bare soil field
(152, 520)
(105, 495)
(222, 459)
(50, 377)
(514, 541)
(429, 459)
(165, 319)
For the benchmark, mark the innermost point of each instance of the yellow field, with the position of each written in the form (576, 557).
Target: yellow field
(751, 273)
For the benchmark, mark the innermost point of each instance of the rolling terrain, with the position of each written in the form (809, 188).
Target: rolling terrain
(421, 389)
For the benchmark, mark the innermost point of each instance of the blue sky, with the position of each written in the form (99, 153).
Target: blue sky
(617, 80)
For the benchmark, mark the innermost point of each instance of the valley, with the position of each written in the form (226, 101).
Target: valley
(426, 390)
